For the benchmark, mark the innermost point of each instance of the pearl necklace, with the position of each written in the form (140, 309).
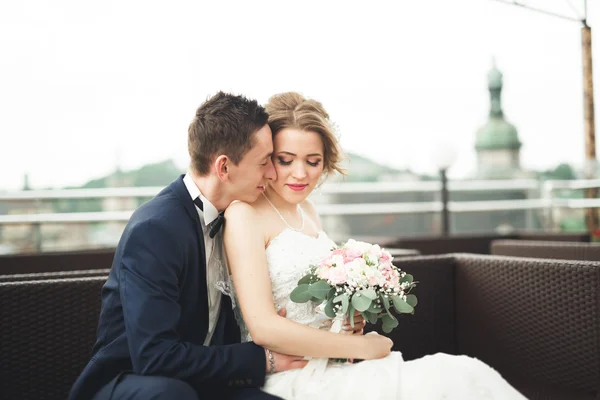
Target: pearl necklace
(283, 219)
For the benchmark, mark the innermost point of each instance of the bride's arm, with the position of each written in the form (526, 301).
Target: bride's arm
(245, 247)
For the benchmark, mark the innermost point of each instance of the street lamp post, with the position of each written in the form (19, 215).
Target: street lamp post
(444, 156)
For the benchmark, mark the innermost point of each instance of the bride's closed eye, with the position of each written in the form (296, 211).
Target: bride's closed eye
(283, 161)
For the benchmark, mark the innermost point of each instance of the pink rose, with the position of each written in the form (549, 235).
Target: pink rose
(386, 269)
(333, 259)
(392, 278)
(338, 252)
(351, 254)
(373, 281)
(337, 275)
(323, 271)
(385, 256)
(326, 262)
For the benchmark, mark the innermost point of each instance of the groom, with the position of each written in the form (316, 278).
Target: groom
(165, 331)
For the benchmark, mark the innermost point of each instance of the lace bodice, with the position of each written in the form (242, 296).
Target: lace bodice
(288, 256)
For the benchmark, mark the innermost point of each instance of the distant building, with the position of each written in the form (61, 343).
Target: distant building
(497, 146)
(497, 143)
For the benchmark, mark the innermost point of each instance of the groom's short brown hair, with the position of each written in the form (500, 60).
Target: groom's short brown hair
(224, 124)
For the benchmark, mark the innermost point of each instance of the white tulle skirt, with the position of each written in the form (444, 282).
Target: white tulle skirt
(438, 376)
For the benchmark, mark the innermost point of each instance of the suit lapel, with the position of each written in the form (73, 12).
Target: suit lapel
(202, 278)
(182, 193)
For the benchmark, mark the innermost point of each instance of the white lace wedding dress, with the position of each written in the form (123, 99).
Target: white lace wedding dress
(438, 376)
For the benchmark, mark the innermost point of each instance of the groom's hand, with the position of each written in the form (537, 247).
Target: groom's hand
(359, 324)
(284, 362)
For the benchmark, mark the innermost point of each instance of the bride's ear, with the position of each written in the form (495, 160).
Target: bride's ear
(221, 165)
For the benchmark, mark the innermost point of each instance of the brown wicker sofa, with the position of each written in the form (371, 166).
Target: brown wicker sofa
(47, 330)
(546, 249)
(84, 273)
(535, 321)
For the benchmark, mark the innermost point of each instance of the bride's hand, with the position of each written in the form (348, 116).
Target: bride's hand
(359, 324)
(376, 346)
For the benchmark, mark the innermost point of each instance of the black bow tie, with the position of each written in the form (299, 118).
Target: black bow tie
(217, 223)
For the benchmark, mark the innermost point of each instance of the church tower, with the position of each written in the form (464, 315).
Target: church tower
(497, 142)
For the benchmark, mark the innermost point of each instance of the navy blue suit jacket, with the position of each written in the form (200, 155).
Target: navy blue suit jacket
(154, 316)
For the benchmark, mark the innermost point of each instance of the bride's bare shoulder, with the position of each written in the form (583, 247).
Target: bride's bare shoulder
(239, 210)
(246, 212)
(251, 219)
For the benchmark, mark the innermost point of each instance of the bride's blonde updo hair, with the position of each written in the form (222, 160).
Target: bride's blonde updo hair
(292, 110)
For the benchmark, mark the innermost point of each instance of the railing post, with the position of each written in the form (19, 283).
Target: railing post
(547, 195)
(445, 198)
(36, 236)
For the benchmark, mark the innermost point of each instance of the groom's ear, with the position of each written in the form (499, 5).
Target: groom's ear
(222, 164)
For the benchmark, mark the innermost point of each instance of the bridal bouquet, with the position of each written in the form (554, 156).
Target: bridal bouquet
(358, 276)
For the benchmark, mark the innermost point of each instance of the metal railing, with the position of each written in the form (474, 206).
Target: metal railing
(33, 228)
(329, 188)
(545, 189)
(68, 194)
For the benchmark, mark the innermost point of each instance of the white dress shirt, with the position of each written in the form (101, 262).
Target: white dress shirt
(214, 255)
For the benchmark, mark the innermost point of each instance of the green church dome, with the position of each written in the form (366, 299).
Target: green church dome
(497, 133)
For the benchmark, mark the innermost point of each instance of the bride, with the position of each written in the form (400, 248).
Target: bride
(269, 245)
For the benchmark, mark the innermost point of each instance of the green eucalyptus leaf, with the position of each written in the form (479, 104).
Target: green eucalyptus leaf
(411, 299)
(375, 308)
(389, 320)
(369, 294)
(371, 317)
(345, 302)
(385, 301)
(361, 303)
(331, 294)
(301, 294)
(305, 279)
(319, 289)
(329, 311)
(407, 278)
(402, 306)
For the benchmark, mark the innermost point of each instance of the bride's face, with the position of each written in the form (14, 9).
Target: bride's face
(298, 161)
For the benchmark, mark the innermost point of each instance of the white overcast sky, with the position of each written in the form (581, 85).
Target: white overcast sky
(87, 84)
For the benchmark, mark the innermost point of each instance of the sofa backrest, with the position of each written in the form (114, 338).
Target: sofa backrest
(534, 320)
(47, 330)
(56, 261)
(544, 249)
(54, 275)
(431, 329)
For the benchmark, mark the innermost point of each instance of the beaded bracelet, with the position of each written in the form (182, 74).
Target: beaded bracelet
(271, 362)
